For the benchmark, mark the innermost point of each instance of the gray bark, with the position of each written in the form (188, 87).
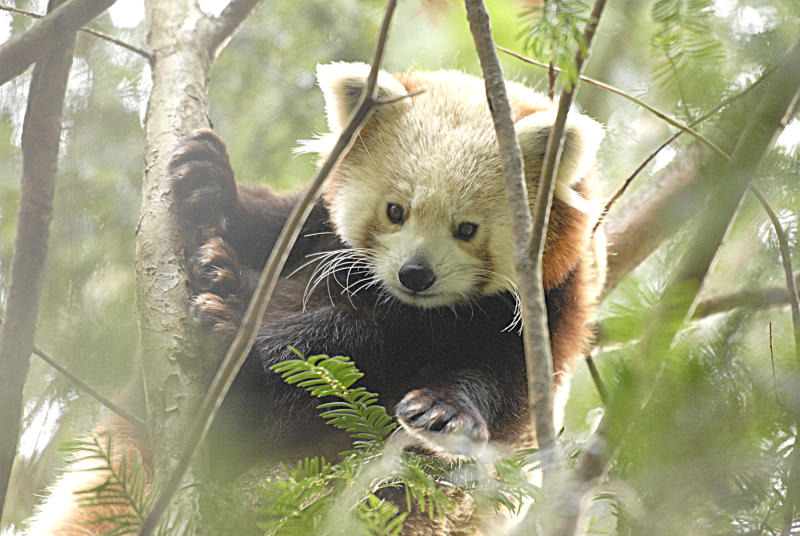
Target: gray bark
(176, 365)
(40, 141)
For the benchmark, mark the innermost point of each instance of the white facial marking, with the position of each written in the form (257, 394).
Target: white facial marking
(436, 156)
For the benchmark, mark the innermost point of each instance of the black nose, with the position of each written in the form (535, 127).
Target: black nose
(416, 275)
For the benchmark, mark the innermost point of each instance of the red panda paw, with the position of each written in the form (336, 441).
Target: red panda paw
(221, 285)
(216, 268)
(216, 312)
(203, 183)
(443, 421)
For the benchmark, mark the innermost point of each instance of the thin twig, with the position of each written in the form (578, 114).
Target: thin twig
(774, 374)
(240, 347)
(88, 389)
(46, 35)
(598, 381)
(105, 37)
(620, 191)
(655, 111)
(786, 260)
(794, 471)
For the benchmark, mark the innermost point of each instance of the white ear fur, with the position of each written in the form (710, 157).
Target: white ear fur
(342, 83)
(582, 137)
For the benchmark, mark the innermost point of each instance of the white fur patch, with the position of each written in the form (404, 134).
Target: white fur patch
(339, 80)
(582, 140)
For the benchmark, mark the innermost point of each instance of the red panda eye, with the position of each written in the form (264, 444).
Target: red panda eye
(395, 213)
(465, 230)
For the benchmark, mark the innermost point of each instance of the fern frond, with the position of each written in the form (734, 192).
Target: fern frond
(125, 485)
(380, 517)
(423, 489)
(685, 37)
(355, 409)
(554, 34)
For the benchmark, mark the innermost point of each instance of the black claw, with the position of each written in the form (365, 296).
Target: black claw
(424, 409)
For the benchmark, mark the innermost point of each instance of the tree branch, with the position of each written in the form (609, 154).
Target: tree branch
(218, 31)
(88, 31)
(240, 347)
(760, 131)
(528, 233)
(763, 298)
(88, 389)
(49, 34)
(40, 141)
(538, 357)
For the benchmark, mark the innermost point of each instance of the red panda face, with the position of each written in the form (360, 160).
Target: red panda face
(420, 197)
(426, 246)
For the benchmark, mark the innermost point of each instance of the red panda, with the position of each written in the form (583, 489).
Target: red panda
(405, 265)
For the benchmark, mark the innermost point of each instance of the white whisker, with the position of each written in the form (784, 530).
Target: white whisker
(329, 264)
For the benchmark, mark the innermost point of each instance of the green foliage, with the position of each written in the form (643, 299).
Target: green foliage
(355, 411)
(685, 36)
(554, 34)
(322, 498)
(308, 498)
(125, 485)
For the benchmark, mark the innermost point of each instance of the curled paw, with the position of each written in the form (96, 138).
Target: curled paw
(203, 182)
(220, 285)
(220, 314)
(215, 267)
(426, 410)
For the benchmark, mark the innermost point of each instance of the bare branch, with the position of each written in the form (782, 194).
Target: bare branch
(91, 391)
(240, 347)
(596, 379)
(538, 357)
(88, 31)
(50, 33)
(762, 298)
(528, 233)
(219, 30)
(40, 141)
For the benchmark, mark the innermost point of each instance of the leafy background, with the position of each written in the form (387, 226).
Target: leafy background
(708, 452)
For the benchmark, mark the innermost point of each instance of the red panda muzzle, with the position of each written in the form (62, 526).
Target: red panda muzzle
(416, 274)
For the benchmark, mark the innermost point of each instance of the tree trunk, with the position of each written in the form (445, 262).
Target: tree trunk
(40, 141)
(176, 365)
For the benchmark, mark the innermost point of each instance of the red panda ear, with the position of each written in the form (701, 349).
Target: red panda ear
(582, 137)
(342, 84)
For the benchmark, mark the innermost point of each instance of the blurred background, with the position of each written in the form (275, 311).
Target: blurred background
(709, 451)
